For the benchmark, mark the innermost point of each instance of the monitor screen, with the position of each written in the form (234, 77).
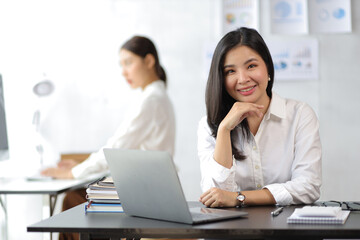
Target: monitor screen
(4, 145)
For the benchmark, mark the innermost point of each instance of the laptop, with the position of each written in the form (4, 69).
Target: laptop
(148, 186)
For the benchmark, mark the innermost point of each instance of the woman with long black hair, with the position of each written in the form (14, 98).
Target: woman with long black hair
(254, 146)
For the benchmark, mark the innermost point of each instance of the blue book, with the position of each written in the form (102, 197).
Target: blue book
(103, 207)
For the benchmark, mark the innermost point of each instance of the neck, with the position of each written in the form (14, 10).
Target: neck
(266, 103)
(151, 77)
(254, 121)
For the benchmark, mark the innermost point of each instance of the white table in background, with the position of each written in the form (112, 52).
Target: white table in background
(48, 187)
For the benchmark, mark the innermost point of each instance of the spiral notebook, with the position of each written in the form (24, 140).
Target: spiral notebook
(318, 215)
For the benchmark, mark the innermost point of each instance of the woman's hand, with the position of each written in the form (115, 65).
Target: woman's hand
(238, 112)
(61, 173)
(215, 197)
(67, 163)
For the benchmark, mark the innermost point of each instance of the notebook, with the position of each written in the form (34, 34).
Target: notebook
(148, 186)
(319, 215)
(101, 207)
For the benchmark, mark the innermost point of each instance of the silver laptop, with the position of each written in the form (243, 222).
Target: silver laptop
(148, 186)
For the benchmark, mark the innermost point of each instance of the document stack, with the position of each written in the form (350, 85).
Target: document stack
(102, 197)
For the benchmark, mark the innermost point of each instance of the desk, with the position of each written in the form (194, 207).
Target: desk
(258, 225)
(49, 187)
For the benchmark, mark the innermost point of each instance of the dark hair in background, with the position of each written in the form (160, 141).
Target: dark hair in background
(142, 46)
(218, 101)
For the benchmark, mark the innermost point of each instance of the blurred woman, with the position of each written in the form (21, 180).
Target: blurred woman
(150, 124)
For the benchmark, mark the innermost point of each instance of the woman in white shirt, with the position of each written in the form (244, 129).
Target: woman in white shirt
(255, 148)
(150, 124)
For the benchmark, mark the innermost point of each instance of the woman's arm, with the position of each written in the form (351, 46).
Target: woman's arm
(216, 197)
(238, 112)
(305, 182)
(223, 152)
(216, 161)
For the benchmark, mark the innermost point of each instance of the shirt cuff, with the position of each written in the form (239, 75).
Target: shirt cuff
(88, 166)
(280, 194)
(78, 171)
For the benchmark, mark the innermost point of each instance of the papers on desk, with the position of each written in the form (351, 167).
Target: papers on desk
(106, 182)
(38, 177)
(319, 215)
(102, 197)
(102, 191)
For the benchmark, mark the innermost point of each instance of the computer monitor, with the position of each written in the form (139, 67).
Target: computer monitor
(4, 144)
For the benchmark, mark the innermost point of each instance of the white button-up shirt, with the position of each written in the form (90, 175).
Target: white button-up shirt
(284, 156)
(150, 125)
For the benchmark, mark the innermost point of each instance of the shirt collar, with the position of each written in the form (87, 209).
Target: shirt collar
(277, 107)
(154, 85)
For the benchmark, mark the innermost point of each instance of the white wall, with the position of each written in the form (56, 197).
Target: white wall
(75, 42)
(336, 99)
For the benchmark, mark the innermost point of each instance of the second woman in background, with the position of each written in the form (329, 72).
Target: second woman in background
(150, 124)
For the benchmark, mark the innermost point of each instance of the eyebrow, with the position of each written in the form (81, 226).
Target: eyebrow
(246, 62)
(124, 60)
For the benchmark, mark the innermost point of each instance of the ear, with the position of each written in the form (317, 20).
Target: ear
(150, 60)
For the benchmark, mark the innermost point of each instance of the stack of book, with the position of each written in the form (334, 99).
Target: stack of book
(102, 197)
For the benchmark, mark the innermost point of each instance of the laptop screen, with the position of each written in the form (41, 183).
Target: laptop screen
(4, 145)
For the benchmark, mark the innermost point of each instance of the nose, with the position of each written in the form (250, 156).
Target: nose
(124, 72)
(242, 77)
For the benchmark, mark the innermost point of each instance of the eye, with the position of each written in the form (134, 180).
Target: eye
(127, 62)
(251, 66)
(229, 71)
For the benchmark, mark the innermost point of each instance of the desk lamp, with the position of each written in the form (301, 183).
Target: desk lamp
(41, 89)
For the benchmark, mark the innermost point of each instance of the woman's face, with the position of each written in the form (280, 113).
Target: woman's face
(134, 69)
(246, 75)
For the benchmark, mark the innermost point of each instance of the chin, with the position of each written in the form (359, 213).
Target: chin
(248, 99)
(133, 86)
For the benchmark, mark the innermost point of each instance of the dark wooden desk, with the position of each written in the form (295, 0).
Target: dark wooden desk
(258, 225)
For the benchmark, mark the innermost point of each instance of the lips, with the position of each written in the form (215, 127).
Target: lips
(247, 91)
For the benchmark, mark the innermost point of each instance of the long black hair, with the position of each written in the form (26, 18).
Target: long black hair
(142, 46)
(218, 101)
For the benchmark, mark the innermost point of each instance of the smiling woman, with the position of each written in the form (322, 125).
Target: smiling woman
(254, 146)
(246, 76)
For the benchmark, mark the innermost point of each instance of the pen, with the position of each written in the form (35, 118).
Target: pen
(96, 181)
(277, 211)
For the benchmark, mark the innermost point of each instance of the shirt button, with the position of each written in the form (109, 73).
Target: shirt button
(254, 147)
(257, 167)
(258, 186)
